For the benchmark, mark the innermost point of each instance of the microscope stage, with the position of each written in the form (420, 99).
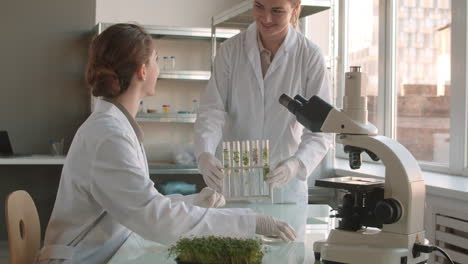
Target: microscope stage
(350, 183)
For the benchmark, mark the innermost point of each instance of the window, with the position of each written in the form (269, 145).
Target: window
(423, 78)
(363, 49)
(409, 48)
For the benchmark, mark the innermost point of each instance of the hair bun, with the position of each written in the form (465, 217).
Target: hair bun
(101, 71)
(105, 82)
(114, 56)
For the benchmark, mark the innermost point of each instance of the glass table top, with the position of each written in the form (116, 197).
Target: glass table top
(311, 222)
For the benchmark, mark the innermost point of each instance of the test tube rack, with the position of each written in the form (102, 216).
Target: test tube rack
(246, 164)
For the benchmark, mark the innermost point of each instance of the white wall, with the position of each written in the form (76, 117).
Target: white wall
(184, 13)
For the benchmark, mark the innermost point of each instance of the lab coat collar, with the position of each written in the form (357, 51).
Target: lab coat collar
(288, 42)
(287, 45)
(254, 54)
(261, 48)
(136, 128)
(251, 46)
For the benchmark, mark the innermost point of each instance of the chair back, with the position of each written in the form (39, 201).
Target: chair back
(23, 227)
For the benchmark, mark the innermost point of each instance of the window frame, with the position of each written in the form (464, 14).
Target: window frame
(387, 95)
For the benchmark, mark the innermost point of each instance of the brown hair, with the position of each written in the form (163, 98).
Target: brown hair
(114, 56)
(295, 16)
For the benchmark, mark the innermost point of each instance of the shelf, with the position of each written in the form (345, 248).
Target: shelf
(240, 16)
(166, 118)
(171, 169)
(185, 75)
(33, 160)
(174, 171)
(177, 32)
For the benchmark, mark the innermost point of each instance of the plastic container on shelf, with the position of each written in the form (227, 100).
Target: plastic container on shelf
(173, 63)
(142, 108)
(166, 109)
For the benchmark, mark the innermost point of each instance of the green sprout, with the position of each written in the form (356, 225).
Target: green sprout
(219, 250)
(245, 161)
(236, 158)
(245, 158)
(265, 164)
(255, 156)
(265, 172)
(226, 158)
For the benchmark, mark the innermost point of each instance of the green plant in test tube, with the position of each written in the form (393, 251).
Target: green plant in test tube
(265, 162)
(226, 157)
(236, 158)
(245, 162)
(255, 156)
(245, 159)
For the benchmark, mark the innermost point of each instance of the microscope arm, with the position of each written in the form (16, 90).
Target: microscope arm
(403, 179)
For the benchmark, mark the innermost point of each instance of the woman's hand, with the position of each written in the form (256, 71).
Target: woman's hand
(209, 198)
(270, 226)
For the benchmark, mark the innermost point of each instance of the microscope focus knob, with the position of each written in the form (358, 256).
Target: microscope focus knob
(388, 211)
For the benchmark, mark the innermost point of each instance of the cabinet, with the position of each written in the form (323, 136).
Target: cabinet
(166, 133)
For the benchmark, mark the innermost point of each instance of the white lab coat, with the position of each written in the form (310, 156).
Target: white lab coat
(105, 193)
(239, 104)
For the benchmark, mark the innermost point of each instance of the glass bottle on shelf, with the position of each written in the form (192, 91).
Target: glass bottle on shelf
(141, 109)
(173, 63)
(165, 63)
(195, 106)
(166, 109)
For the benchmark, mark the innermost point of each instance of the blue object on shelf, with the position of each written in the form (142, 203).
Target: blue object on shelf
(181, 187)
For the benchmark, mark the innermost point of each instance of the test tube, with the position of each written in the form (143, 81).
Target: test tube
(236, 164)
(255, 175)
(226, 165)
(260, 169)
(266, 161)
(246, 171)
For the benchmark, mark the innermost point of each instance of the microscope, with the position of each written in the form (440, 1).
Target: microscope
(380, 220)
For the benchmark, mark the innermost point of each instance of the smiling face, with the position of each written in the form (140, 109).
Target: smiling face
(273, 16)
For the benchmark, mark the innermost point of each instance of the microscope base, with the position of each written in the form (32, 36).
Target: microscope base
(369, 246)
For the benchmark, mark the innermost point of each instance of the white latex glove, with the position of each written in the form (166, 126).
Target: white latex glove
(269, 226)
(212, 170)
(284, 172)
(209, 198)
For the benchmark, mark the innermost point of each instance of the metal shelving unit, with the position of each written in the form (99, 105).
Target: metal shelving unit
(166, 118)
(156, 167)
(240, 15)
(34, 160)
(185, 75)
(172, 169)
(177, 32)
(182, 33)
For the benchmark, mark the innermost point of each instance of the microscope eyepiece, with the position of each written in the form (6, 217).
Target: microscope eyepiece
(284, 100)
(301, 99)
(291, 104)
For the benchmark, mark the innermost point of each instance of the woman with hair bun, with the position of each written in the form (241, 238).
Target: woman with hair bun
(105, 192)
